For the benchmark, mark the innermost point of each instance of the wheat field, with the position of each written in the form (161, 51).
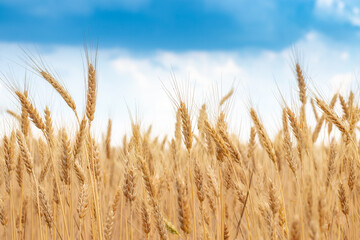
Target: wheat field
(203, 183)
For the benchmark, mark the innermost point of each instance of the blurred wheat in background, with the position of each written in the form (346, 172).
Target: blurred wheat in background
(204, 183)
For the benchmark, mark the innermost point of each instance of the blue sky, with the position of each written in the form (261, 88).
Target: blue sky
(212, 44)
(142, 25)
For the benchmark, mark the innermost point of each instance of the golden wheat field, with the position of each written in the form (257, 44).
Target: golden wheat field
(203, 183)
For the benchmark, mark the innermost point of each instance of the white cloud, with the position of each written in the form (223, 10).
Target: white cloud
(343, 10)
(311, 36)
(340, 6)
(355, 20)
(341, 83)
(344, 56)
(356, 10)
(324, 3)
(201, 69)
(129, 80)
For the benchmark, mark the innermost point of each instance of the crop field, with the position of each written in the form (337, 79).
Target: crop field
(201, 182)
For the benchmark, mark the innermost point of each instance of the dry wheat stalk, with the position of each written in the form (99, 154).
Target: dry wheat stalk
(198, 176)
(110, 218)
(263, 136)
(13, 114)
(314, 109)
(108, 139)
(49, 131)
(159, 221)
(91, 92)
(83, 201)
(287, 146)
(45, 170)
(3, 214)
(343, 199)
(65, 159)
(331, 116)
(9, 154)
(19, 171)
(45, 208)
(344, 107)
(273, 199)
(201, 121)
(234, 152)
(79, 138)
(178, 126)
(322, 118)
(60, 89)
(222, 151)
(186, 126)
(129, 184)
(79, 171)
(145, 217)
(226, 97)
(56, 197)
(301, 83)
(184, 208)
(295, 230)
(25, 123)
(31, 110)
(25, 153)
(331, 162)
(295, 126)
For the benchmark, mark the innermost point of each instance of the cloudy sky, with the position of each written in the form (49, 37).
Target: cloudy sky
(211, 44)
